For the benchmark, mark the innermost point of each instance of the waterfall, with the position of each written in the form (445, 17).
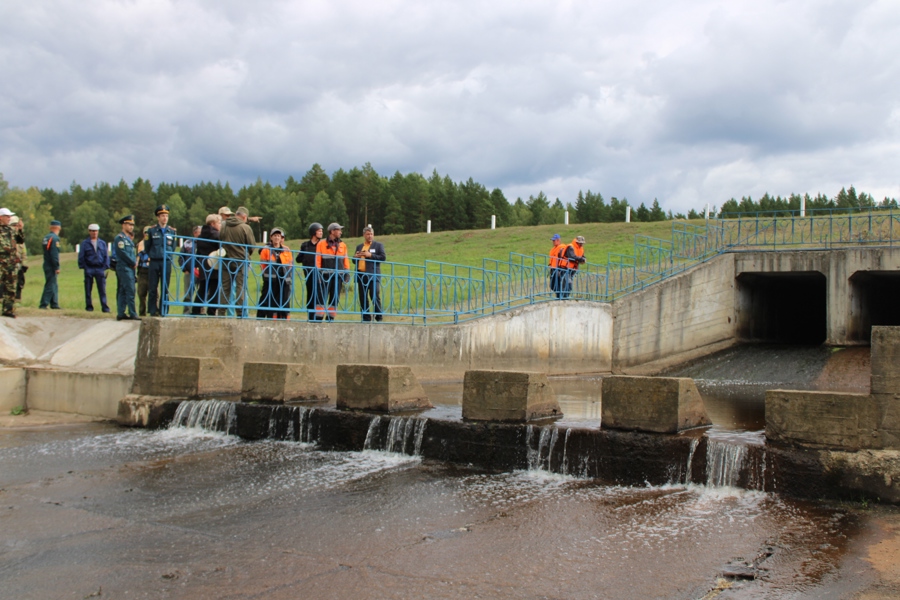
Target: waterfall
(211, 415)
(690, 460)
(403, 435)
(723, 463)
(291, 423)
(539, 456)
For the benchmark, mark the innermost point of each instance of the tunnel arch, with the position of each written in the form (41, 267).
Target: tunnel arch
(874, 300)
(786, 307)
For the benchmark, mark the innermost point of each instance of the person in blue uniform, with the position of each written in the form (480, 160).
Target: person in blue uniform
(126, 262)
(93, 259)
(50, 243)
(158, 240)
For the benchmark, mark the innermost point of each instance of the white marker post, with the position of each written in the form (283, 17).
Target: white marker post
(428, 226)
(706, 212)
(265, 237)
(567, 217)
(628, 214)
(803, 206)
(493, 221)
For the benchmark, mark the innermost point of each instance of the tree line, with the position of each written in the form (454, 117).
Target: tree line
(845, 200)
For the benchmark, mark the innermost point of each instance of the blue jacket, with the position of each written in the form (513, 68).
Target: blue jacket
(90, 259)
(157, 241)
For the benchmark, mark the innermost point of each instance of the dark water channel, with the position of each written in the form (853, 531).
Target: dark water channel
(94, 511)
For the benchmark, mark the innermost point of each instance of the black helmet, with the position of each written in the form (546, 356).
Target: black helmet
(314, 228)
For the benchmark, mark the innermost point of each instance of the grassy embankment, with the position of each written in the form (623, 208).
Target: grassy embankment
(456, 247)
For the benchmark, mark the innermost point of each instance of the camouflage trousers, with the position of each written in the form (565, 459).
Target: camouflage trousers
(8, 276)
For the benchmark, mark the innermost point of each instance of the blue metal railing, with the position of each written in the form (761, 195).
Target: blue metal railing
(439, 292)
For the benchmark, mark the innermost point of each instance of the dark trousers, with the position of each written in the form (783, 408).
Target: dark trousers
(98, 276)
(20, 281)
(50, 296)
(332, 285)
(125, 291)
(143, 288)
(368, 288)
(556, 277)
(565, 282)
(159, 285)
(275, 298)
(313, 286)
(207, 293)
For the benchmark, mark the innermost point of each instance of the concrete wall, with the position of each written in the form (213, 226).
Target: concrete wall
(679, 315)
(91, 394)
(12, 389)
(555, 337)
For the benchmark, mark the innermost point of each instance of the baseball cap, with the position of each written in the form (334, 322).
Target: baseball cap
(5, 212)
(93, 227)
(555, 237)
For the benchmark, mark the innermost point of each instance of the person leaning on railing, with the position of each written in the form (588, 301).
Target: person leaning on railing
(574, 256)
(557, 265)
(331, 258)
(238, 242)
(307, 258)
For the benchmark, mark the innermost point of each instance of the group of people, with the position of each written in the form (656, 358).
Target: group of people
(564, 262)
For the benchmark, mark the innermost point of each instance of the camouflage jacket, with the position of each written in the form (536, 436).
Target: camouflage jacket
(10, 238)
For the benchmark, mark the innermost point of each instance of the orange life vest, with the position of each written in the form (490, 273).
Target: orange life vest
(579, 252)
(558, 256)
(327, 253)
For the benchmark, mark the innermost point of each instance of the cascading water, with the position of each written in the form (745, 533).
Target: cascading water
(291, 423)
(402, 435)
(724, 462)
(539, 454)
(211, 415)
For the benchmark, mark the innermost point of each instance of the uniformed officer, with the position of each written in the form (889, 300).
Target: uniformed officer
(126, 262)
(157, 241)
(50, 243)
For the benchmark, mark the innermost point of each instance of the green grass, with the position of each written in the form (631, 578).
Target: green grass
(456, 247)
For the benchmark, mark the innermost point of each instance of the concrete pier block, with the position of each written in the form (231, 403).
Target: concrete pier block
(654, 404)
(509, 396)
(184, 377)
(280, 383)
(886, 360)
(821, 419)
(381, 388)
(146, 411)
(12, 388)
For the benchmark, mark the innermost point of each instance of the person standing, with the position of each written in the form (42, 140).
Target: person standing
(143, 276)
(126, 263)
(50, 243)
(557, 260)
(307, 258)
(331, 259)
(238, 242)
(158, 242)
(574, 255)
(93, 258)
(189, 268)
(21, 268)
(208, 280)
(10, 239)
(370, 254)
(277, 271)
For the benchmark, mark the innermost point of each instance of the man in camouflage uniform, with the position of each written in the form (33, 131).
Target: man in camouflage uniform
(22, 267)
(10, 238)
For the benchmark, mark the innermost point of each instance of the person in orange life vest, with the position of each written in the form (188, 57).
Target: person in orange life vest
(331, 259)
(557, 265)
(574, 255)
(370, 255)
(276, 269)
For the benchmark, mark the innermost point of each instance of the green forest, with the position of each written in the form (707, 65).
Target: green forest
(392, 205)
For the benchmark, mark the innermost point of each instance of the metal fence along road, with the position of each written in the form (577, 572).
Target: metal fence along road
(438, 292)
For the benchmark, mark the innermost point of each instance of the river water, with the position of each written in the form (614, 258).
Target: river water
(95, 511)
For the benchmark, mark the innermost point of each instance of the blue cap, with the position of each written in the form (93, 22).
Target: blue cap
(555, 237)
(127, 219)
(162, 209)
(55, 223)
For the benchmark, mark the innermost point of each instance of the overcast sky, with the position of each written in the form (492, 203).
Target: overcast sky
(685, 101)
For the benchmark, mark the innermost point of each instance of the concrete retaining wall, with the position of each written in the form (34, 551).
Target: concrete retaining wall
(565, 337)
(12, 389)
(91, 394)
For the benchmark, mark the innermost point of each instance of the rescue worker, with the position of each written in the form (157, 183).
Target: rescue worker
(126, 263)
(159, 240)
(22, 254)
(93, 259)
(370, 254)
(143, 275)
(574, 255)
(276, 269)
(50, 244)
(331, 259)
(557, 268)
(11, 236)
(307, 258)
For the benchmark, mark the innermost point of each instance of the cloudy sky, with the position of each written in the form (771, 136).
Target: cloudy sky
(687, 101)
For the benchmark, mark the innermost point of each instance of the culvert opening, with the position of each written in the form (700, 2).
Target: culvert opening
(874, 300)
(786, 308)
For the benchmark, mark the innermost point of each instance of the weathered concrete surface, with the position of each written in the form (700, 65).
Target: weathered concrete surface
(381, 388)
(689, 311)
(12, 389)
(91, 394)
(182, 376)
(146, 411)
(508, 396)
(886, 360)
(652, 404)
(818, 419)
(280, 382)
